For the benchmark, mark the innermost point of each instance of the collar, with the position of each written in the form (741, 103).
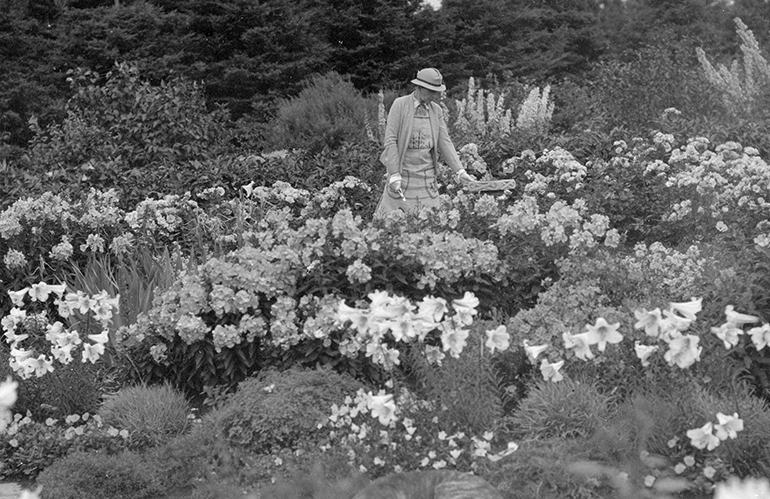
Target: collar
(417, 101)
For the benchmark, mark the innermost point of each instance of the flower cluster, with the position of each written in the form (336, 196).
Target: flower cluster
(474, 163)
(28, 446)
(732, 329)
(393, 319)
(710, 435)
(555, 169)
(562, 223)
(668, 327)
(32, 336)
(728, 186)
(406, 436)
(482, 114)
(164, 217)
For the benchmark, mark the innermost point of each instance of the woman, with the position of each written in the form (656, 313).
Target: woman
(414, 136)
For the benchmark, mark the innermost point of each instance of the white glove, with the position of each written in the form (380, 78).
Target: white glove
(394, 184)
(462, 176)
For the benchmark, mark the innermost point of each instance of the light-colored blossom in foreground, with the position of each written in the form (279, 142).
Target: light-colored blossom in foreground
(683, 350)
(688, 309)
(703, 437)
(729, 334)
(748, 488)
(737, 319)
(550, 371)
(579, 343)
(498, 339)
(643, 352)
(760, 336)
(649, 320)
(602, 333)
(728, 426)
(382, 407)
(534, 351)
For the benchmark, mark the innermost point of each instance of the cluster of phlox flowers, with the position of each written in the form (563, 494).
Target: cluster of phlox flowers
(397, 319)
(730, 182)
(562, 223)
(601, 334)
(334, 193)
(469, 155)
(280, 192)
(160, 216)
(20, 326)
(710, 435)
(732, 329)
(398, 434)
(562, 168)
(669, 327)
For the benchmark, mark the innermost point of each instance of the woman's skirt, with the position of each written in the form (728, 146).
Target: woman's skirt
(419, 188)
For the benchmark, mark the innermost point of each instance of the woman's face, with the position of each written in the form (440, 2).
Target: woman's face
(425, 95)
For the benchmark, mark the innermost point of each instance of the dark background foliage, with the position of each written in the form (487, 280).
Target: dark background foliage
(248, 55)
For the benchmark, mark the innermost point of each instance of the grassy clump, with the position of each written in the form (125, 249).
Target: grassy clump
(151, 414)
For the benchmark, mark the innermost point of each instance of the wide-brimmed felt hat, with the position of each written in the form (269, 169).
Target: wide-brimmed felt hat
(431, 79)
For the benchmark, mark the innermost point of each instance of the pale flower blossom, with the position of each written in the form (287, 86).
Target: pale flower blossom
(760, 336)
(92, 352)
(382, 407)
(728, 426)
(550, 371)
(602, 333)
(649, 320)
(534, 351)
(580, 343)
(675, 321)
(434, 354)
(728, 333)
(498, 339)
(683, 350)
(703, 438)
(432, 307)
(643, 352)
(453, 339)
(17, 297)
(748, 488)
(689, 309)
(737, 319)
(465, 307)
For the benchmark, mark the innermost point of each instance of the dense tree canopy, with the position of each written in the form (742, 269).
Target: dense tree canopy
(249, 54)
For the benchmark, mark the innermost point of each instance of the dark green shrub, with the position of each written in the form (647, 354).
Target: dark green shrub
(151, 414)
(279, 409)
(327, 112)
(633, 91)
(121, 131)
(567, 409)
(95, 475)
(539, 468)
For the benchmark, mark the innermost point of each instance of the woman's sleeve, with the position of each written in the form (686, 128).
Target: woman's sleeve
(389, 156)
(446, 147)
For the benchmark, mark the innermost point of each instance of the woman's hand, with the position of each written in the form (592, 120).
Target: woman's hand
(464, 177)
(394, 184)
